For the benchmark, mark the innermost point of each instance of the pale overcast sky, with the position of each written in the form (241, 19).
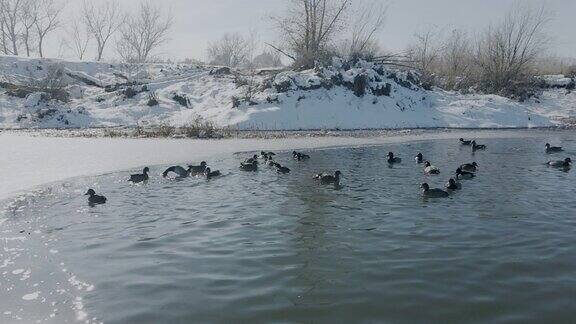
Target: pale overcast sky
(196, 22)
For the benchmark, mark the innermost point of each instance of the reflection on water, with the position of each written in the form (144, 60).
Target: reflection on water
(262, 247)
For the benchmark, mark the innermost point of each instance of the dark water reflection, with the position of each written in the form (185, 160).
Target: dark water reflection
(261, 247)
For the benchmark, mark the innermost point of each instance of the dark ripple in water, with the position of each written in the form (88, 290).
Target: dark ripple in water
(262, 247)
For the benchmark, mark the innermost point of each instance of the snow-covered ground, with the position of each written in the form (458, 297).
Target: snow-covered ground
(324, 98)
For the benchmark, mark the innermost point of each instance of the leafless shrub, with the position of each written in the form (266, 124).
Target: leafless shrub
(501, 60)
(232, 50)
(53, 85)
(365, 24)
(240, 80)
(163, 130)
(506, 51)
(200, 128)
(456, 61)
(425, 54)
(113, 133)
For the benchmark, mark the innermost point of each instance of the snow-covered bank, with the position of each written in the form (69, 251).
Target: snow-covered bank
(29, 161)
(363, 96)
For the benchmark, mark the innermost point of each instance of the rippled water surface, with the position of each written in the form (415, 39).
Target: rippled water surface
(261, 247)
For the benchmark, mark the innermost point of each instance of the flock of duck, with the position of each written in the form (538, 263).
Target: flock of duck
(464, 171)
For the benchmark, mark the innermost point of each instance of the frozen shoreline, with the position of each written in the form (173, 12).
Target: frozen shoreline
(29, 161)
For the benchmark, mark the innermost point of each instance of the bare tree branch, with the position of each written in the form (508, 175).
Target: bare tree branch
(10, 23)
(281, 51)
(78, 39)
(102, 22)
(143, 32)
(308, 27)
(47, 21)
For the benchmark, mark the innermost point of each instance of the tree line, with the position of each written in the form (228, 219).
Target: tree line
(26, 24)
(502, 58)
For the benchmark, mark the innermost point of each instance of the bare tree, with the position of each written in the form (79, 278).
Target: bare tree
(47, 21)
(3, 39)
(367, 21)
(231, 50)
(308, 28)
(506, 51)
(102, 22)
(28, 15)
(10, 22)
(143, 32)
(424, 53)
(78, 39)
(3, 35)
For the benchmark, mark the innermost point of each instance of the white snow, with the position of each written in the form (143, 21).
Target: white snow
(307, 102)
(33, 100)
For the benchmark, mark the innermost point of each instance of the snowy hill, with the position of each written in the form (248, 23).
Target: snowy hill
(43, 93)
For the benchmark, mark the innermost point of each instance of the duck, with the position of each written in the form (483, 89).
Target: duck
(328, 178)
(252, 160)
(197, 169)
(272, 163)
(419, 158)
(282, 169)
(553, 149)
(465, 143)
(464, 174)
(300, 156)
(433, 193)
(392, 159)
(470, 167)
(209, 174)
(180, 171)
(453, 185)
(267, 155)
(245, 166)
(560, 164)
(476, 147)
(137, 178)
(430, 169)
(95, 199)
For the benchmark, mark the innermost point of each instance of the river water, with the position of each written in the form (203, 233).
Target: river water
(256, 247)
